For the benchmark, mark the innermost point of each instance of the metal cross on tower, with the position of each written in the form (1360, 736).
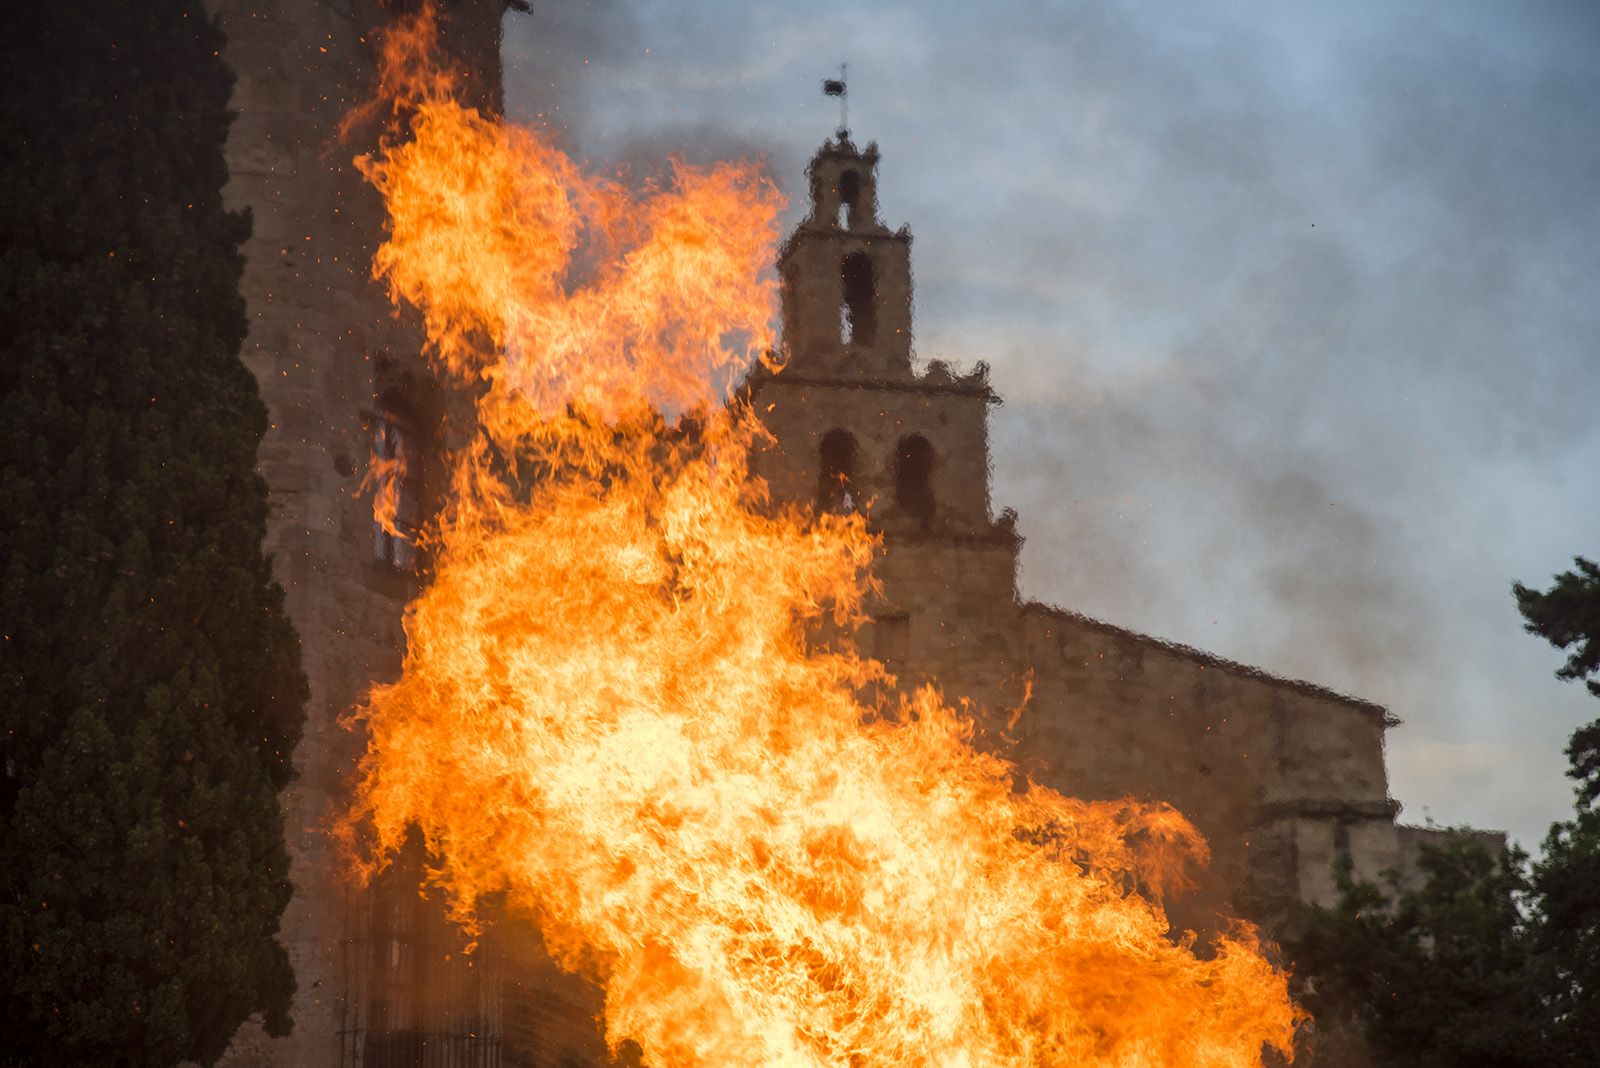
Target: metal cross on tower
(839, 88)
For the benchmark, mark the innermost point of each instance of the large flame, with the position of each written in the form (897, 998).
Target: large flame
(610, 714)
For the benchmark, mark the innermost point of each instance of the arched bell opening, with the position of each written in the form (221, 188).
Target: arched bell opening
(849, 200)
(858, 312)
(913, 477)
(836, 472)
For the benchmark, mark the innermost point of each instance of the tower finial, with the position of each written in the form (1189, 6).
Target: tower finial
(839, 87)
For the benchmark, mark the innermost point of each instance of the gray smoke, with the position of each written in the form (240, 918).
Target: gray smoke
(1295, 310)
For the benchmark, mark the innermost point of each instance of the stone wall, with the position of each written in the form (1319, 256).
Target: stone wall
(800, 410)
(324, 346)
(1248, 757)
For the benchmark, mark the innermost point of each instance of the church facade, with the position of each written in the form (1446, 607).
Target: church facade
(1283, 777)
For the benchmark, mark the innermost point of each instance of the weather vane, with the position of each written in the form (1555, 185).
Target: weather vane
(837, 87)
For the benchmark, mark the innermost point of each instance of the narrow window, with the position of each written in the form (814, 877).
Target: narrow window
(836, 472)
(913, 476)
(849, 199)
(394, 475)
(860, 298)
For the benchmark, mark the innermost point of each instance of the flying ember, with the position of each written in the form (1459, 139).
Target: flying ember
(614, 714)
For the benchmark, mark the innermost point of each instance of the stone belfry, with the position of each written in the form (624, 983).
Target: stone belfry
(846, 276)
(858, 426)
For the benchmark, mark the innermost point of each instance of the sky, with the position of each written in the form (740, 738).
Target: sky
(1295, 308)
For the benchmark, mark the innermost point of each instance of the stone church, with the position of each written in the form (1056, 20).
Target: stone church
(1283, 777)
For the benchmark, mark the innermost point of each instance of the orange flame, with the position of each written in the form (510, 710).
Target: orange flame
(610, 713)
(386, 472)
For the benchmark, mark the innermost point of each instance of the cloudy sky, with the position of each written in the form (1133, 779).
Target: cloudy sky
(1295, 307)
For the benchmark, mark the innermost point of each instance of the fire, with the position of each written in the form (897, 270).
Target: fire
(611, 716)
(386, 472)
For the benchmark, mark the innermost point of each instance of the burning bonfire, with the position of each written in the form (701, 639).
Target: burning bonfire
(612, 719)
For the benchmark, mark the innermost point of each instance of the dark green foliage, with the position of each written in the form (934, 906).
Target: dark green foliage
(1566, 885)
(150, 686)
(1443, 973)
(1484, 962)
(1567, 615)
(1567, 878)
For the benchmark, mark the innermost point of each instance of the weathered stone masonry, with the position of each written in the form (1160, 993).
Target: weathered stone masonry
(333, 363)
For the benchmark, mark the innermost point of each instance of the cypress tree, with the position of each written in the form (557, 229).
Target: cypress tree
(150, 687)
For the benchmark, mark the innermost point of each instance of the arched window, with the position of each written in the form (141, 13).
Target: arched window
(849, 199)
(395, 477)
(913, 476)
(857, 313)
(836, 472)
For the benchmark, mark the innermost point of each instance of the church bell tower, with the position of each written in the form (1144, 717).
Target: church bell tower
(846, 276)
(859, 425)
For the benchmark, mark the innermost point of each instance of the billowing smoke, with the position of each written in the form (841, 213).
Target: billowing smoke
(1294, 312)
